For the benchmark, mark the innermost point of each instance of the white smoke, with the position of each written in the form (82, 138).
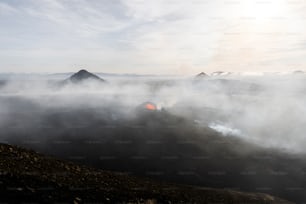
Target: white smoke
(268, 110)
(225, 130)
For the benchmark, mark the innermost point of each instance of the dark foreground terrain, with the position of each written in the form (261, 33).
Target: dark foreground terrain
(160, 146)
(27, 176)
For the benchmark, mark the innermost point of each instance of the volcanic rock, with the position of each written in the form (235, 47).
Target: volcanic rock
(27, 176)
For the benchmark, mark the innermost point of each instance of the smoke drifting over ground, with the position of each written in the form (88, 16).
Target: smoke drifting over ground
(265, 110)
(209, 131)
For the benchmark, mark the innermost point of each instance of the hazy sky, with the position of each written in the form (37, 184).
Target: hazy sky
(152, 36)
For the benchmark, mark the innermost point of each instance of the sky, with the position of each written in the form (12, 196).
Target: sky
(152, 36)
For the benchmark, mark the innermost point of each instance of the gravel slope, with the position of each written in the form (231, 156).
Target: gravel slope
(27, 176)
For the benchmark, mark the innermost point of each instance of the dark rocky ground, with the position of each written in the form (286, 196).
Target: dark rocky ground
(158, 145)
(27, 176)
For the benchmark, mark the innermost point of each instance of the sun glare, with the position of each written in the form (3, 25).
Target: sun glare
(264, 10)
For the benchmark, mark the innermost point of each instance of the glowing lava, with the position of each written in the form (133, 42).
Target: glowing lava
(150, 106)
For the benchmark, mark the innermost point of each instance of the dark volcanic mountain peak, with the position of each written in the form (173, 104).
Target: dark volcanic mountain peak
(84, 75)
(201, 75)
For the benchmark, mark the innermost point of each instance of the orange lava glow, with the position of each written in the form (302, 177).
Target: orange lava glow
(150, 106)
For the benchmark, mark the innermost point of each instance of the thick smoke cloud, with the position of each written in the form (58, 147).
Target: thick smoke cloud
(266, 110)
(236, 132)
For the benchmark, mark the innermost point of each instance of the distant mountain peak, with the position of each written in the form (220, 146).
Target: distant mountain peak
(84, 75)
(298, 72)
(220, 73)
(83, 71)
(201, 75)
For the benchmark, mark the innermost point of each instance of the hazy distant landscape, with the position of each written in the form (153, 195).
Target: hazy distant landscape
(153, 101)
(238, 132)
